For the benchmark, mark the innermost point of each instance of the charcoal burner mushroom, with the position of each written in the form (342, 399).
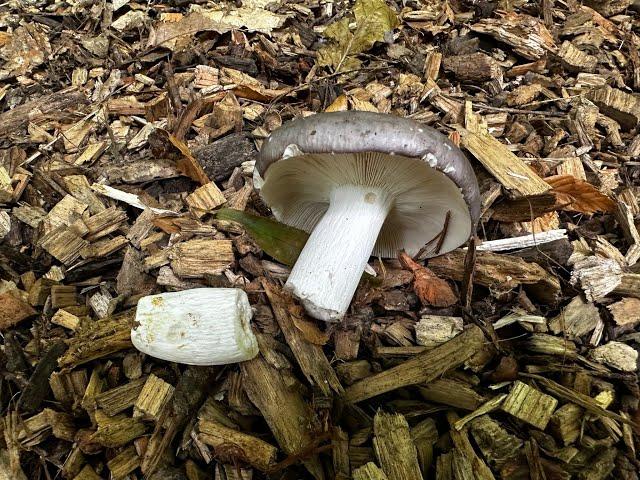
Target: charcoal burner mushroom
(362, 183)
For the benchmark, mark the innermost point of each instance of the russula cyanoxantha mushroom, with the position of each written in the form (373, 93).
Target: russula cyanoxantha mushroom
(203, 326)
(362, 183)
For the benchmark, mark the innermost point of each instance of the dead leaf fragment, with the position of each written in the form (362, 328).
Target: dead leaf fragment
(161, 145)
(430, 289)
(586, 198)
(373, 18)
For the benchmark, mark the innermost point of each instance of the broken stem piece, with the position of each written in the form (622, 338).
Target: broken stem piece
(203, 326)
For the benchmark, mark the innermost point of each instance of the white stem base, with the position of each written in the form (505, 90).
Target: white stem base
(327, 273)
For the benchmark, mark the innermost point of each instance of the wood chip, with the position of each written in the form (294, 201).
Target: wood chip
(205, 198)
(394, 447)
(617, 355)
(529, 405)
(626, 311)
(197, 258)
(420, 369)
(508, 169)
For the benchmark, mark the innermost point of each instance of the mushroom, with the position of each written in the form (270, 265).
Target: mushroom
(363, 183)
(203, 326)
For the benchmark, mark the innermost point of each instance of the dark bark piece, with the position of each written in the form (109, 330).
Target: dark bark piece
(476, 67)
(219, 158)
(38, 386)
(14, 353)
(13, 310)
(609, 7)
(556, 252)
(247, 65)
(525, 209)
(132, 278)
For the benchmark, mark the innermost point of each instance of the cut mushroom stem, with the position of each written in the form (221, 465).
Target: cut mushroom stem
(203, 326)
(328, 270)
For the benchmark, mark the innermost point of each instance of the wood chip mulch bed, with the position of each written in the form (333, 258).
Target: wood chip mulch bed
(127, 129)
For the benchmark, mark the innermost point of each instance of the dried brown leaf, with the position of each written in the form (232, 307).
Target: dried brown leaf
(188, 165)
(586, 198)
(430, 289)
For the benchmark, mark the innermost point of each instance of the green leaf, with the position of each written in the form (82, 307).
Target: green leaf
(373, 19)
(280, 241)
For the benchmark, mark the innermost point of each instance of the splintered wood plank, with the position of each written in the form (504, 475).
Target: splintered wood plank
(91, 153)
(310, 356)
(257, 453)
(6, 189)
(570, 395)
(578, 318)
(104, 248)
(576, 60)
(104, 223)
(65, 212)
(394, 447)
(497, 446)
(56, 102)
(116, 431)
(197, 258)
(451, 392)
(529, 405)
(63, 296)
(63, 244)
(527, 35)
(626, 311)
(566, 423)
(422, 368)
(629, 285)
(124, 463)
(467, 462)
(369, 471)
(498, 271)
(48, 422)
(120, 398)
(509, 170)
(68, 387)
(283, 408)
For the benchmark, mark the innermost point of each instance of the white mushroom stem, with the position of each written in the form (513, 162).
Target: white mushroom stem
(203, 326)
(328, 270)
